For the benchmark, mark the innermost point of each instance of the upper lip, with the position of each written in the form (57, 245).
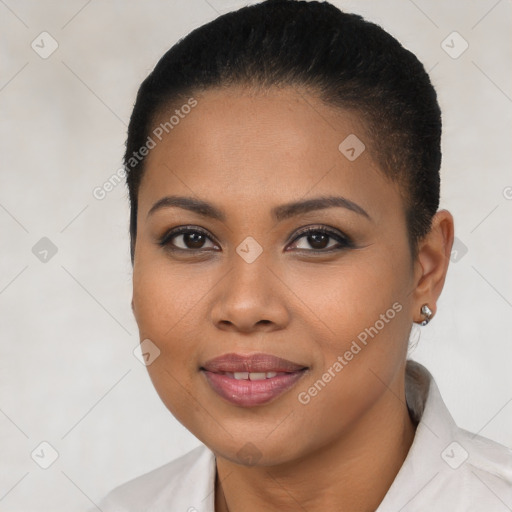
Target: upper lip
(250, 363)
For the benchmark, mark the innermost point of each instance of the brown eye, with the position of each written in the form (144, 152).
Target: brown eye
(193, 240)
(186, 239)
(321, 240)
(318, 240)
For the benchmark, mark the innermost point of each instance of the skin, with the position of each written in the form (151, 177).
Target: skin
(247, 152)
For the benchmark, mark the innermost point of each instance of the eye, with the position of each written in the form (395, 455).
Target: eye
(318, 239)
(185, 238)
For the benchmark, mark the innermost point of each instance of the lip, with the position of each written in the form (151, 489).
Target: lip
(245, 392)
(250, 363)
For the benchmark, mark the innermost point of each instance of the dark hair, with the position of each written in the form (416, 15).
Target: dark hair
(345, 60)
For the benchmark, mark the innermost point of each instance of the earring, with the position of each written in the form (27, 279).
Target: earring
(427, 313)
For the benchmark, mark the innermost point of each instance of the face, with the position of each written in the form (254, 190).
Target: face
(267, 332)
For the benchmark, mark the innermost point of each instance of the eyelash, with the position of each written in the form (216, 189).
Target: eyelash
(344, 242)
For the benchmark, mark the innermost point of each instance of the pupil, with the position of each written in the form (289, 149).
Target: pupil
(194, 239)
(316, 243)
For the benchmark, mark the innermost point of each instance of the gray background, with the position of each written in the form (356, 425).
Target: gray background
(68, 375)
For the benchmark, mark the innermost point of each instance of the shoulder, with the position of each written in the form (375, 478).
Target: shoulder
(475, 470)
(486, 460)
(475, 475)
(180, 484)
(447, 467)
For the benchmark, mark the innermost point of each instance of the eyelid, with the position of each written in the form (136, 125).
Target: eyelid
(342, 240)
(180, 230)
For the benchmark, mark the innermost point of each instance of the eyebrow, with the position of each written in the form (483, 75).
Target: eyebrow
(279, 213)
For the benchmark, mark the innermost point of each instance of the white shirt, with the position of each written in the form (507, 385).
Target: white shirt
(447, 468)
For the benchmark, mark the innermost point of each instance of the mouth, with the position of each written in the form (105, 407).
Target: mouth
(251, 380)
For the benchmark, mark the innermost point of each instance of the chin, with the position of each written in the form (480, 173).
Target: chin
(258, 447)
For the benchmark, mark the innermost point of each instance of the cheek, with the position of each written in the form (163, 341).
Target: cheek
(166, 298)
(346, 300)
(165, 306)
(363, 317)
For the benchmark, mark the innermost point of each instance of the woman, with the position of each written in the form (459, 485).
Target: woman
(283, 171)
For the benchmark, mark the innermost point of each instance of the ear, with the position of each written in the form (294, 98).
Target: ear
(432, 263)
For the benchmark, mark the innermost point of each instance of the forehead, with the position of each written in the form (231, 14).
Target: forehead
(263, 146)
(232, 122)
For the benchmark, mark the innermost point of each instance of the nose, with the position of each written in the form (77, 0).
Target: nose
(250, 298)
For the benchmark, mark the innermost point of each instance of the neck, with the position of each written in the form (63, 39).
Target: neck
(353, 473)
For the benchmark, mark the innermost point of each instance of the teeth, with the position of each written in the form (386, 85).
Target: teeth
(252, 375)
(257, 376)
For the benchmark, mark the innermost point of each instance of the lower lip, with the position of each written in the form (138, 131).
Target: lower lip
(248, 393)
